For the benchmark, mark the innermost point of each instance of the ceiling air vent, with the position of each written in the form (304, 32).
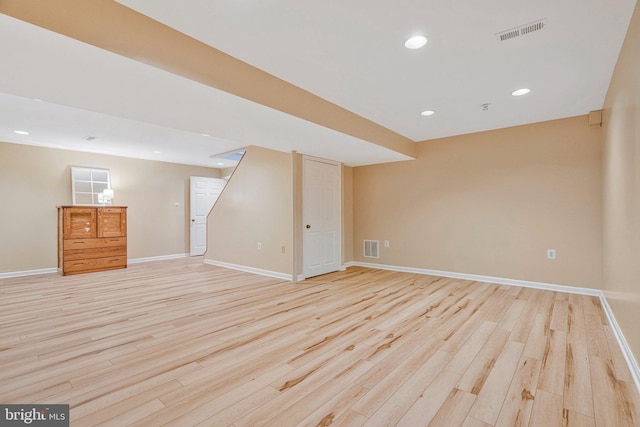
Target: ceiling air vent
(522, 30)
(90, 138)
(371, 248)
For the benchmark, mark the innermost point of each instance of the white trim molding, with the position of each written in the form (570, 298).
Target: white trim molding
(156, 258)
(488, 279)
(259, 271)
(11, 274)
(622, 342)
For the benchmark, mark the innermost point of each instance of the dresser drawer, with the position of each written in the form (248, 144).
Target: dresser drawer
(95, 264)
(71, 244)
(109, 251)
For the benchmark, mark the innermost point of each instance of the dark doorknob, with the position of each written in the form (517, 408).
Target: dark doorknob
(308, 226)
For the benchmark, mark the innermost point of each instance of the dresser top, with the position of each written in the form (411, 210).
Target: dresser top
(91, 206)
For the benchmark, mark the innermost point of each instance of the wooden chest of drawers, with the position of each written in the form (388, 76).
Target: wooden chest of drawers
(91, 238)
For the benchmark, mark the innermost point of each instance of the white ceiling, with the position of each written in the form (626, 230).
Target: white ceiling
(349, 53)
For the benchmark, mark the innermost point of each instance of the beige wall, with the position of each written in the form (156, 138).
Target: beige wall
(621, 223)
(491, 204)
(255, 206)
(34, 180)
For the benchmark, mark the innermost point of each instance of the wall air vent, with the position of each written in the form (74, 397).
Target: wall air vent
(370, 248)
(522, 30)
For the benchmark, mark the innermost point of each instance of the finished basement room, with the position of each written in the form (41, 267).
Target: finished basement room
(330, 214)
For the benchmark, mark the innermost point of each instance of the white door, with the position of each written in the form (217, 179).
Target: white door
(321, 216)
(204, 193)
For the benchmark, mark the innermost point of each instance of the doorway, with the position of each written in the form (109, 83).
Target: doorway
(321, 216)
(204, 193)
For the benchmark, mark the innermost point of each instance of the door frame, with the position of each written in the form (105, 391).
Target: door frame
(192, 207)
(301, 227)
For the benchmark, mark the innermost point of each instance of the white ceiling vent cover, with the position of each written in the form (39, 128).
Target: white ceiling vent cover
(371, 248)
(522, 30)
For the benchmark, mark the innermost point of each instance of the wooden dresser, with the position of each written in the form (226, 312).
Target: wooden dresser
(91, 238)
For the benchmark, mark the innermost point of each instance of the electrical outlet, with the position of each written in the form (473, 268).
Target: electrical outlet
(386, 243)
(283, 249)
(259, 246)
(551, 254)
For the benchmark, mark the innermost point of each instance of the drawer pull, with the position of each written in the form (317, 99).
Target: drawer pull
(87, 229)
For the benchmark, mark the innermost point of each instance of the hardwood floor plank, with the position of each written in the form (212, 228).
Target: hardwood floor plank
(511, 317)
(426, 406)
(480, 367)
(518, 403)
(182, 343)
(613, 405)
(596, 340)
(523, 325)
(337, 408)
(472, 422)
(492, 394)
(349, 419)
(383, 389)
(454, 409)
(552, 369)
(423, 388)
(577, 393)
(547, 410)
(576, 419)
(466, 354)
(560, 314)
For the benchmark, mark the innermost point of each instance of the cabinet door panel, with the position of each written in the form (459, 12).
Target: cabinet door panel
(112, 222)
(79, 223)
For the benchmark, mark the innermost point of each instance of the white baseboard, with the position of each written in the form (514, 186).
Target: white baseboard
(28, 273)
(156, 258)
(246, 269)
(622, 342)
(488, 279)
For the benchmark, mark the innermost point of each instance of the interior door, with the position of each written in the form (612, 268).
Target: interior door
(321, 216)
(204, 193)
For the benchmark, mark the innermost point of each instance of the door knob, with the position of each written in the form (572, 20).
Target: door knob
(193, 220)
(308, 226)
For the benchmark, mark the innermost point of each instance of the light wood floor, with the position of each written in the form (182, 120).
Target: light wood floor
(181, 343)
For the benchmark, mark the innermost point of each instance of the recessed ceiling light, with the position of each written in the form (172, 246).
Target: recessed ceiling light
(21, 132)
(520, 92)
(220, 164)
(204, 134)
(157, 152)
(415, 42)
(428, 113)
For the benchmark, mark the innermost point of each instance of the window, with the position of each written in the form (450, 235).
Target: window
(88, 186)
